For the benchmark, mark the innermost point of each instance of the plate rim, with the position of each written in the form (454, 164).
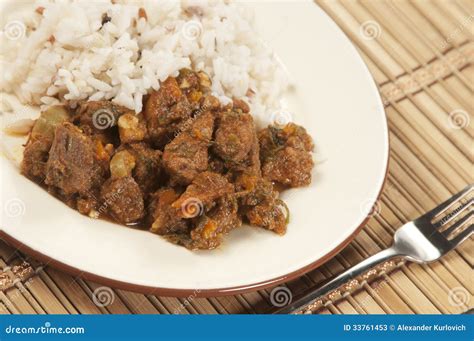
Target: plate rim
(241, 289)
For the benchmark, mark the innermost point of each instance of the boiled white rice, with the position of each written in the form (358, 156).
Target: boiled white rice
(125, 58)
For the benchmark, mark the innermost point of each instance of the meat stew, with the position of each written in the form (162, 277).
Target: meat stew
(186, 168)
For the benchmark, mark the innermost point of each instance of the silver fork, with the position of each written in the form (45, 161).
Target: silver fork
(423, 240)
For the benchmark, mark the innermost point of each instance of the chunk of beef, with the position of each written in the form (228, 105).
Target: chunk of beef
(165, 110)
(201, 194)
(260, 204)
(187, 155)
(164, 218)
(97, 116)
(292, 135)
(254, 190)
(185, 158)
(147, 169)
(234, 137)
(210, 103)
(196, 86)
(253, 164)
(72, 165)
(141, 162)
(268, 215)
(35, 157)
(213, 226)
(37, 148)
(248, 178)
(201, 127)
(286, 155)
(297, 137)
(123, 200)
(289, 166)
(188, 80)
(99, 120)
(208, 207)
(89, 204)
(216, 164)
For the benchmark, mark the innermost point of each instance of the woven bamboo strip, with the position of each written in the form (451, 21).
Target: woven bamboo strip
(445, 24)
(459, 98)
(158, 304)
(412, 17)
(352, 28)
(116, 305)
(15, 297)
(45, 297)
(353, 6)
(393, 46)
(56, 290)
(137, 303)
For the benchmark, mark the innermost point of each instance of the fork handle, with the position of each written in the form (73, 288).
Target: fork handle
(350, 274)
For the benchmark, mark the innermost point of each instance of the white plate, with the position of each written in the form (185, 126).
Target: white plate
(335, 98)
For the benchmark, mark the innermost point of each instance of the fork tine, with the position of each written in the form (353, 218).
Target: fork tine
(458, 223)
(462, 236)
(445, 205)
(453, 214)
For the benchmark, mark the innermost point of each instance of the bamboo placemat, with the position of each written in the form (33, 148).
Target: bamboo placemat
(421, 55)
